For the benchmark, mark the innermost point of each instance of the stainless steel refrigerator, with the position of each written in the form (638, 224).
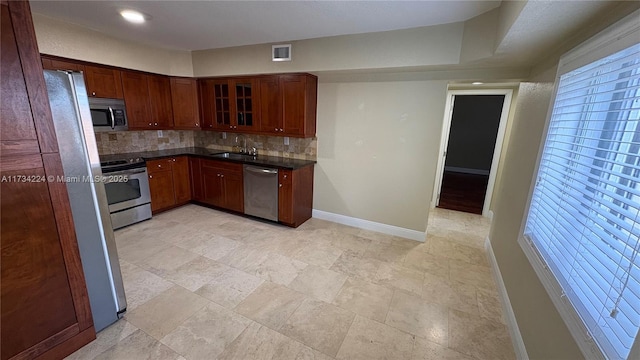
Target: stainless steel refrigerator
(89, 207)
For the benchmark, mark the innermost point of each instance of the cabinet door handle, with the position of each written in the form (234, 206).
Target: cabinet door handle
(218, 175)
(150, 124)
(197, 125)
(150, 176)
(93, 93)
(280, 185)
(210, 125)
(156, 124)
(222, 175)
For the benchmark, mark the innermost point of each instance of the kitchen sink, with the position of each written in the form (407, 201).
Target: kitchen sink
(233, 156)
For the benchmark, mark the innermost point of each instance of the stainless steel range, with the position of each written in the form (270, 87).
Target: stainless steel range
(127, 185)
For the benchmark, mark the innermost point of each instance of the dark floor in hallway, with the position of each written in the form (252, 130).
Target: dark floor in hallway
(463, 192)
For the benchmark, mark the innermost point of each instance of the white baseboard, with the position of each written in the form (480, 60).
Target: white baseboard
(490, 215)
(512, 324)
(466, 170)
(370, 225)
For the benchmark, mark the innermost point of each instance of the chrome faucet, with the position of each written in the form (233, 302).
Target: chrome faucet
(240, 144)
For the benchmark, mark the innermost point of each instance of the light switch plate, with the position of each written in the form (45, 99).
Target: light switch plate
(224, 135)
(159, 133)
(286, 140)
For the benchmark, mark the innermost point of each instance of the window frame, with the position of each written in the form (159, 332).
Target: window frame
(616, 37)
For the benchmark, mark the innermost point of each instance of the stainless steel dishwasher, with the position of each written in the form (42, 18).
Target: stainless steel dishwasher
(261, 192)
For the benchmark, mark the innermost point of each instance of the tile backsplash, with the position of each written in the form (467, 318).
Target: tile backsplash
(119, 142)
(306, 149)
(134, 141)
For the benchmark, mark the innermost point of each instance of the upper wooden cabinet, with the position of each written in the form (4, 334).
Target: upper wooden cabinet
(55, 64)
(148, 101)
(103, 82)
(160, 101)
(184, 98)
(244, 104)
(229, 104)
(288, 105)
(205, 96)
(279, 104)
(136, 99)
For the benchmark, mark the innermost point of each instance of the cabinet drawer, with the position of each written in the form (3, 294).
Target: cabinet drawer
(284, 177)
(158, 165)
(223, 165)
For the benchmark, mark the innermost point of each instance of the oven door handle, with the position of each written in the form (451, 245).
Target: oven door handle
(113, 119)
(125, 172)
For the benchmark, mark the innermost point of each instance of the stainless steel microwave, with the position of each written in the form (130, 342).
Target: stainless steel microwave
(108, 114)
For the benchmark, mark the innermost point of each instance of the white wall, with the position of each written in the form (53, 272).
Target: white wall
(71, 41)
(377, 149)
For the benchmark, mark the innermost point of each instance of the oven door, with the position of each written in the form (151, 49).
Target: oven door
(126, 189)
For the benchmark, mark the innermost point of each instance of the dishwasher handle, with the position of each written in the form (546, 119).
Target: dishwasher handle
(261, 170)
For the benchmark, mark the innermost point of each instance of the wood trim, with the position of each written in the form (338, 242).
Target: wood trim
(311, 106)
(69, 346)
(68, 240)
(302, 191)
(19, 147)
(33, 75)
(48, 343)
(15, 163)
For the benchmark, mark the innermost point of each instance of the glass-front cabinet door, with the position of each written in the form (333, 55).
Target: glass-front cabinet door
(245, 104)
(222, 105)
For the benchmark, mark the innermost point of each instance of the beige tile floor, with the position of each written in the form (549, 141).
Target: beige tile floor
(203, 284)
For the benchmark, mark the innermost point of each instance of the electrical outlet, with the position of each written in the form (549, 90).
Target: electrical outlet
(224, 136)
(286, 140)
(159, 133)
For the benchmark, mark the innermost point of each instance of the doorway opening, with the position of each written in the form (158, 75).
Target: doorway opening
(472, 136)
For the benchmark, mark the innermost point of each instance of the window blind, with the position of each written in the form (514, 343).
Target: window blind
(583, 217)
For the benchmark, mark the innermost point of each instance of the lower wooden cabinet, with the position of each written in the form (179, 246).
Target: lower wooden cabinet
(169, 182)
(295, 195)
(222, 184)
(197, 192)
(181, 179)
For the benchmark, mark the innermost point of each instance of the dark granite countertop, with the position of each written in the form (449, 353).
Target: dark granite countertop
(263, 160)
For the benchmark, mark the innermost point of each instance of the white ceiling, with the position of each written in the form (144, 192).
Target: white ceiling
(197, 25)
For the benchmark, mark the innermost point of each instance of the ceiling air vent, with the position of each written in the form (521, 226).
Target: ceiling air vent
(281, 52)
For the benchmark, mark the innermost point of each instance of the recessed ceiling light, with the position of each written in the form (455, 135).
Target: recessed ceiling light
(477, 83)
(133, 16)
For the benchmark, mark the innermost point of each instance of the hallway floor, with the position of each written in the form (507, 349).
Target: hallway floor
(463, 192)
(203, 284)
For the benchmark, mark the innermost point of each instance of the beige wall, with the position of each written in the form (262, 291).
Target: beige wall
(68, 40)
(544, 333)
(479, 37)
(432, 45)
(377, 149)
